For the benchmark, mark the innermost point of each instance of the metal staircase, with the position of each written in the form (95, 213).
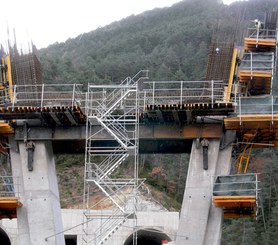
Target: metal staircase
(111, 110)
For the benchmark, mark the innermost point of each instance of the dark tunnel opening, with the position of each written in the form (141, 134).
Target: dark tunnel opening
(148, 237)
(70, 239)
(4, 238)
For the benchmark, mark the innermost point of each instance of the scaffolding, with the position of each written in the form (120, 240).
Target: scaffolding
(115, 109)
(255, 103)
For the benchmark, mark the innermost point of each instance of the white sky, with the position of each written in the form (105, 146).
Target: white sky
(46, 22)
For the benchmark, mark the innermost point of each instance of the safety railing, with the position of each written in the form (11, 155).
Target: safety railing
(7, 187)
(43, 95)
(105, 98)
(261, 33)
(182, 92)
(257, 105)
(261, 105)
(257, 61)
(236, 185)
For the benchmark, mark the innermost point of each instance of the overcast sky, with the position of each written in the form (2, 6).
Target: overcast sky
(47, 22)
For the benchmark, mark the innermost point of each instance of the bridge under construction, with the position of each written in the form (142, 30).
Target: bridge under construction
(113, 124)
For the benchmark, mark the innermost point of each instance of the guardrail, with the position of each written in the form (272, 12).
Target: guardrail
(258, 61)
(182, 92)
(43, 95)
(236, 185)
(262, 33)
(257, 105)
(7, 187)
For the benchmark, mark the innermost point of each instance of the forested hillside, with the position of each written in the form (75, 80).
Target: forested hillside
(173, 44)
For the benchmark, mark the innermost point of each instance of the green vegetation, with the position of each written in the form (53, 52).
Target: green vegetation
(70, 175)
(173, 44)
(263, 229)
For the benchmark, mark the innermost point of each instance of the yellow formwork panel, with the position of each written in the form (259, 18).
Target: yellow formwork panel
(255, 73)
(5, 128)
(9, 203)
(234, 201)
(8, 207)
(233, 214)
(257, 121)
(253, 43)
(232, 73)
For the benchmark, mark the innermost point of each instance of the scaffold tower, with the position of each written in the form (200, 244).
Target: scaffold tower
(113, 111)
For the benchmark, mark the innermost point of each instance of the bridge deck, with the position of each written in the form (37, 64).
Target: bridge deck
(48, 115)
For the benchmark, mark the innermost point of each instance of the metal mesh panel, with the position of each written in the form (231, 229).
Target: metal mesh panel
(236, 185)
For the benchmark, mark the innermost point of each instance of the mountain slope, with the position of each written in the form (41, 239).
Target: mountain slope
(171, 42)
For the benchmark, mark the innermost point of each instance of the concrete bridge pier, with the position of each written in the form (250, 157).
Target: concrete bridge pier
(40, 216)
(200, 221)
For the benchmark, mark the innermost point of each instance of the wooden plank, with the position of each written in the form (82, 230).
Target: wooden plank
(255, 73)
(260, 41)
(9, 203)
(256, 121)
(250, 213)
(234, 201)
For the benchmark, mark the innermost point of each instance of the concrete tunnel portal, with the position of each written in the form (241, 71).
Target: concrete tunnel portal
(5, 240)
(148, 237)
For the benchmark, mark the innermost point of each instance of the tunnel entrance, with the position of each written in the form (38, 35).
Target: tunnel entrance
(148, 237)
(4, 238)
(70, 239)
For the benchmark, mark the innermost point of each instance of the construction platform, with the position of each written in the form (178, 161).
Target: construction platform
(256, 82)
(237, 195)
(8, 207)
(265, 44)
(256, 73)
(9, 202)
(263, 121)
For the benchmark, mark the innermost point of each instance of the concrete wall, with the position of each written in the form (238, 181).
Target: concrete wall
(166, 222)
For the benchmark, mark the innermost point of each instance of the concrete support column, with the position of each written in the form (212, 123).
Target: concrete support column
(197, 196)
(40, 216)
(200, 221)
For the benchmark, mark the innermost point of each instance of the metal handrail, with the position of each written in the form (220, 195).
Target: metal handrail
(261, 33)
(8, 187)
(257, 105)
(254, 61)
(44, 95)
(247, 183)
(179, 92)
